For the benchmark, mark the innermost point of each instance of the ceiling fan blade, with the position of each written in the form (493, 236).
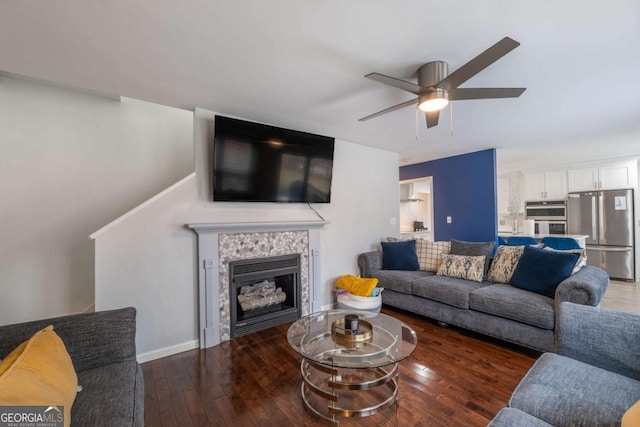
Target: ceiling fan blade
(485, 93)
(478, 64)
(390, 109)
(432, 118)
(392, 81)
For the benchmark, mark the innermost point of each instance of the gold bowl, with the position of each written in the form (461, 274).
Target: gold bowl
(349, 338)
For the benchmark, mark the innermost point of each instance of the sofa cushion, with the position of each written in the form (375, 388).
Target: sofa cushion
(474, 249)
(462, 267)
(397, 280)
(565, 392)
(39, 372)
(504, 263)
(515, 304)
(430, 254)
(511, 417)
(447, 290)
(399, 255)
(108, 396)
(542, 271)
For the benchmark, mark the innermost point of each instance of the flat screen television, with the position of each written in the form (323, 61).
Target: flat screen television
(260, 163)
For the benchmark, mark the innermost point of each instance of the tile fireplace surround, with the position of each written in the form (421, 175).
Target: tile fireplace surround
(223, 242)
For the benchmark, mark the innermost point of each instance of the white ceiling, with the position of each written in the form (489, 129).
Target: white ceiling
(300, 64)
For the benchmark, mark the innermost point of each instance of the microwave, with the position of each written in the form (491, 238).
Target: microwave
(547, 210)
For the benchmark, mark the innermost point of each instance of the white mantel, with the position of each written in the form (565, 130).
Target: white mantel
(245, 227)
(211, 302)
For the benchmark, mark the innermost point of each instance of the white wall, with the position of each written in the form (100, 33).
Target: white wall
(70, 163)
(149, 259)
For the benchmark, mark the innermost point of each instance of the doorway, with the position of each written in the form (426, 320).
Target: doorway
(416, 207)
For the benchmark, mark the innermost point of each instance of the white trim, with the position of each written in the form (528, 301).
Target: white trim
(64, 86)
(89, 309)
(167, 351)
(141, 206)
(328, 306)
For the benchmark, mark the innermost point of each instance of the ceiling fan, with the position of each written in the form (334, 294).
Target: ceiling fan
(436, 87)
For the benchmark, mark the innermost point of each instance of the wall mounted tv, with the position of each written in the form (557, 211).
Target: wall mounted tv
(260, 163)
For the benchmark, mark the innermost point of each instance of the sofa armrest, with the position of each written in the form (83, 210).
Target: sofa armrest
(92, 339)
(585, 287)
(369, 263)
(604, 338)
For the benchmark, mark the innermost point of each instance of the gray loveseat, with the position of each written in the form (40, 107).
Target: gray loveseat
(591, 381)
(498, 310)
(103, 352)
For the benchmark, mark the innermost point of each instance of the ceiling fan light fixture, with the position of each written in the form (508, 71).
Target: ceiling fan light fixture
(434, 100)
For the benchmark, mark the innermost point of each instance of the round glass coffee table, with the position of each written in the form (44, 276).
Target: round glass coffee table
(350, 361)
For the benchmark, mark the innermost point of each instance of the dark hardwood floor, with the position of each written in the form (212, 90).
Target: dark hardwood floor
(453, 378)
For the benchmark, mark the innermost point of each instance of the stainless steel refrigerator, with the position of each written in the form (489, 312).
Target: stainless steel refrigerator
(607, 218)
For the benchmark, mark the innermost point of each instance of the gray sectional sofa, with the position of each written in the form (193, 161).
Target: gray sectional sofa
(592, 380)
(103, 351)
(498, 310)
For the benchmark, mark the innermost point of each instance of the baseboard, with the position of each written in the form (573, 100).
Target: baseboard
(167, 351)
(89, 309)
(328, 307)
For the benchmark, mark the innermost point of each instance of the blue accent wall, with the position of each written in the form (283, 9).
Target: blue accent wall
(464, 188)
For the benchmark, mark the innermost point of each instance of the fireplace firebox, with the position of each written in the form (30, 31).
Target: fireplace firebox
(264, 292)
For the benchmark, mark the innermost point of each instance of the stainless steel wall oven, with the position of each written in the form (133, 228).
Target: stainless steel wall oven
(548, 210)
(555, 227)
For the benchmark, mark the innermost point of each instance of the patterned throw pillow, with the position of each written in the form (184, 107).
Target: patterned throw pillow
(474, 249)
(462, 267)
(582, 261)
(429, 254)
(504, 263)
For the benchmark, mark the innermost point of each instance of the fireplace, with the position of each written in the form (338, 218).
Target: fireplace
(221, 244)
(263, 292)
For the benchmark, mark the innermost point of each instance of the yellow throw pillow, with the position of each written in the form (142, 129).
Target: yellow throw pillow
(356, 285)
(39, 372)
(631, 418)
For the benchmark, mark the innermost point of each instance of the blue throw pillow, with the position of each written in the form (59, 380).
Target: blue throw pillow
(542, 271)
(399, 256)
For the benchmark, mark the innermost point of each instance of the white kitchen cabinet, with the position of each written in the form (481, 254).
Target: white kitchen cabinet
(584, 179)
(604, 177)
(622, 175)
(547, 185)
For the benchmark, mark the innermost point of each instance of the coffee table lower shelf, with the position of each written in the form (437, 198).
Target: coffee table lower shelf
(348, 392)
